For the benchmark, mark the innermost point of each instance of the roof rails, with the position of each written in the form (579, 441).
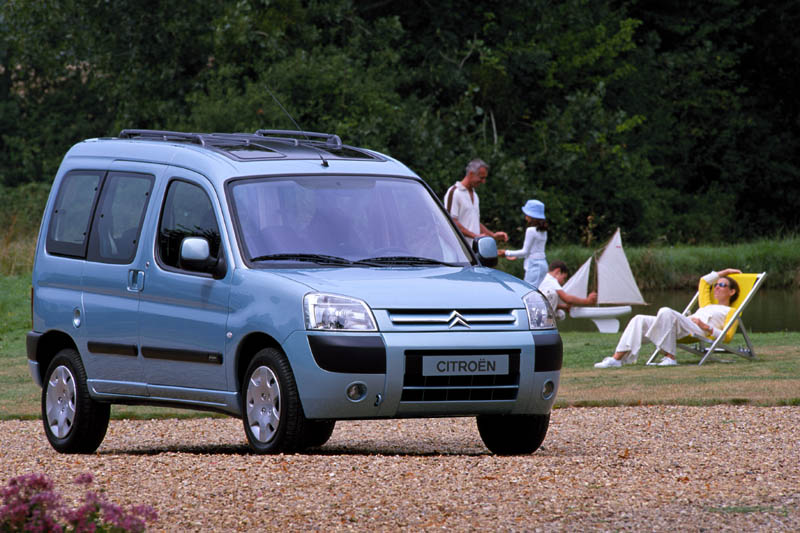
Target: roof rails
(163, 135)
(261, 145)
(331, 140)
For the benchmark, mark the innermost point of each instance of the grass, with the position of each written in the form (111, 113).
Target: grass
(771, 379)
(19, 225)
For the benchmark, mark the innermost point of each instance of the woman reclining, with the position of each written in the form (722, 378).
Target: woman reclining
(669, 325)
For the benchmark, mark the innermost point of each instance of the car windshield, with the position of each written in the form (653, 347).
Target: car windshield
(338, 220)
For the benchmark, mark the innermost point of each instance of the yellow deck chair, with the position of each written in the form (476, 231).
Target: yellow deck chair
(708, 346)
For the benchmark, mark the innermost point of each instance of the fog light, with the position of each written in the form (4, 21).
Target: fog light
(356, 392)
(548, 389)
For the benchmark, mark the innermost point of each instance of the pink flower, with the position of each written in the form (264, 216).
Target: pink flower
(31, 505)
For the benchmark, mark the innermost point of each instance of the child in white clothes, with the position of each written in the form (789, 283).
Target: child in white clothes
(535, 239)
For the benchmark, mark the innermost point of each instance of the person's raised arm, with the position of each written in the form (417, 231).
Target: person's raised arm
(705, 287)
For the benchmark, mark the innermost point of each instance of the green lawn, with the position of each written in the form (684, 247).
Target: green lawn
(772, 379)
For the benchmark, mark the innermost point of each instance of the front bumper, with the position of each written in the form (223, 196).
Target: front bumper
(388, 366)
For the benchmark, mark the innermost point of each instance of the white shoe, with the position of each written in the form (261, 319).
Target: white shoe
(608, 362)
(668, 361)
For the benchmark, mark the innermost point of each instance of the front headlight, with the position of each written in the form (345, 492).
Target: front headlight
(340, 313)
(540, 316)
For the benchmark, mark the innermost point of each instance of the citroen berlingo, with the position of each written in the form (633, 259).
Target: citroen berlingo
(281, 277)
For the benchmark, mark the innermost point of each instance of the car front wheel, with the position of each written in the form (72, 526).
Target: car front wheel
(272, 413)
(317, 433)
(513, 434)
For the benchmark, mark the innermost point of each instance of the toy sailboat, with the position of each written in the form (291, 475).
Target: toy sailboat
(615, 285)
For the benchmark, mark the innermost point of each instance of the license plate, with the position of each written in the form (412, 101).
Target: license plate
(464, 365)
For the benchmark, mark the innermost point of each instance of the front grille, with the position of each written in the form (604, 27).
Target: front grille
(453, 319)
(419, 388)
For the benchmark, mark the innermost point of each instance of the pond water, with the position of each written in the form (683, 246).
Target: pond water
(770, 310)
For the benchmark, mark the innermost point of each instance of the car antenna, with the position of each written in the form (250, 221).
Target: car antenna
(296, 125)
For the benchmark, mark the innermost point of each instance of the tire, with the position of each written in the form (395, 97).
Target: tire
(513, 434)
(271, 410)
(317, 432)
(73, 422)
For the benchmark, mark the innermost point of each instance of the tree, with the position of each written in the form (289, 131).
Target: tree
(675, 121)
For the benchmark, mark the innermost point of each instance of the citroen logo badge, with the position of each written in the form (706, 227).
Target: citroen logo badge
(455, 319)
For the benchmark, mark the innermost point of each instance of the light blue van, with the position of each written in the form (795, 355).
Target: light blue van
(280, 277)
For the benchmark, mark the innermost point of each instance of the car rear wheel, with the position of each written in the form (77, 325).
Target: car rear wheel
(513, 434)
(73, 422)
(272, 413)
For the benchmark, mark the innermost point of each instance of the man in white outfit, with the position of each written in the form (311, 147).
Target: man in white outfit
(461, 201)
(669, 325)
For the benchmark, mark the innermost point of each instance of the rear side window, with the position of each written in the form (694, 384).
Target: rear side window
(119, 216)
(69, 222)
(187, 212)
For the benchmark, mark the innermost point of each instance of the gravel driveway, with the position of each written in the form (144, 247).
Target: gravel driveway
(721, 468)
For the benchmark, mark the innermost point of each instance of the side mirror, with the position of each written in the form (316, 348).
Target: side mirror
(196, 256)
(486, 248)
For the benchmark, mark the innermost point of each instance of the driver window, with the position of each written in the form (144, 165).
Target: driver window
(187, 212)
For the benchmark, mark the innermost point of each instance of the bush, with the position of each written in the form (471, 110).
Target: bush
(31, 504)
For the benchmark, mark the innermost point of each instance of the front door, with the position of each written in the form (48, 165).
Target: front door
(183, 313)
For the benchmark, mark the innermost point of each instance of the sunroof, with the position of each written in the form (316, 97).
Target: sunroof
(345, 152)
(248, 151)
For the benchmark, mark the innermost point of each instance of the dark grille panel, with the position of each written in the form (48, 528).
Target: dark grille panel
(419, 388)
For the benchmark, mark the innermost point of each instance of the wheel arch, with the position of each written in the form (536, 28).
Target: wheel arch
(248, 348)
(48, 347)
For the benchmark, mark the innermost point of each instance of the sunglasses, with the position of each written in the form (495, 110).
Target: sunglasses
(722, 284)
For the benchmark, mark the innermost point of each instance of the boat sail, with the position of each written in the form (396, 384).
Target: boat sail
(615, 285)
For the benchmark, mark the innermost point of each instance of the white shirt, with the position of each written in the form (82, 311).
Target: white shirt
(464, 208)
(533, 248)
(714, 315)
(549, 287)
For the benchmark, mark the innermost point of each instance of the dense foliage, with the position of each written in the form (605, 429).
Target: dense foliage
(675, 120)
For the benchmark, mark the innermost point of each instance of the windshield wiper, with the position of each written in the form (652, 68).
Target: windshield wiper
(404, 260)
(312, 258)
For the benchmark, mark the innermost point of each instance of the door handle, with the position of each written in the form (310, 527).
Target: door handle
(135, 280)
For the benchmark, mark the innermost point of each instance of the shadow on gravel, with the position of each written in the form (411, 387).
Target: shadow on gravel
(394, 451)
(192, 450)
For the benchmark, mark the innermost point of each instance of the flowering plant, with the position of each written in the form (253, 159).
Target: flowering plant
(31, 504)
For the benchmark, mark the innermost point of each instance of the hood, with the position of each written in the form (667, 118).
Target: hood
(416, 288)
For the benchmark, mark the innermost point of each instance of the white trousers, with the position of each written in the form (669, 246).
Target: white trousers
(663, 330)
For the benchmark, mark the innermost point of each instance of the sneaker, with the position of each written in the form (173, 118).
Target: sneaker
(608, 362)
(667, 361)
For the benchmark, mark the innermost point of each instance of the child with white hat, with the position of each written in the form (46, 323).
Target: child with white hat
(535, 240)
